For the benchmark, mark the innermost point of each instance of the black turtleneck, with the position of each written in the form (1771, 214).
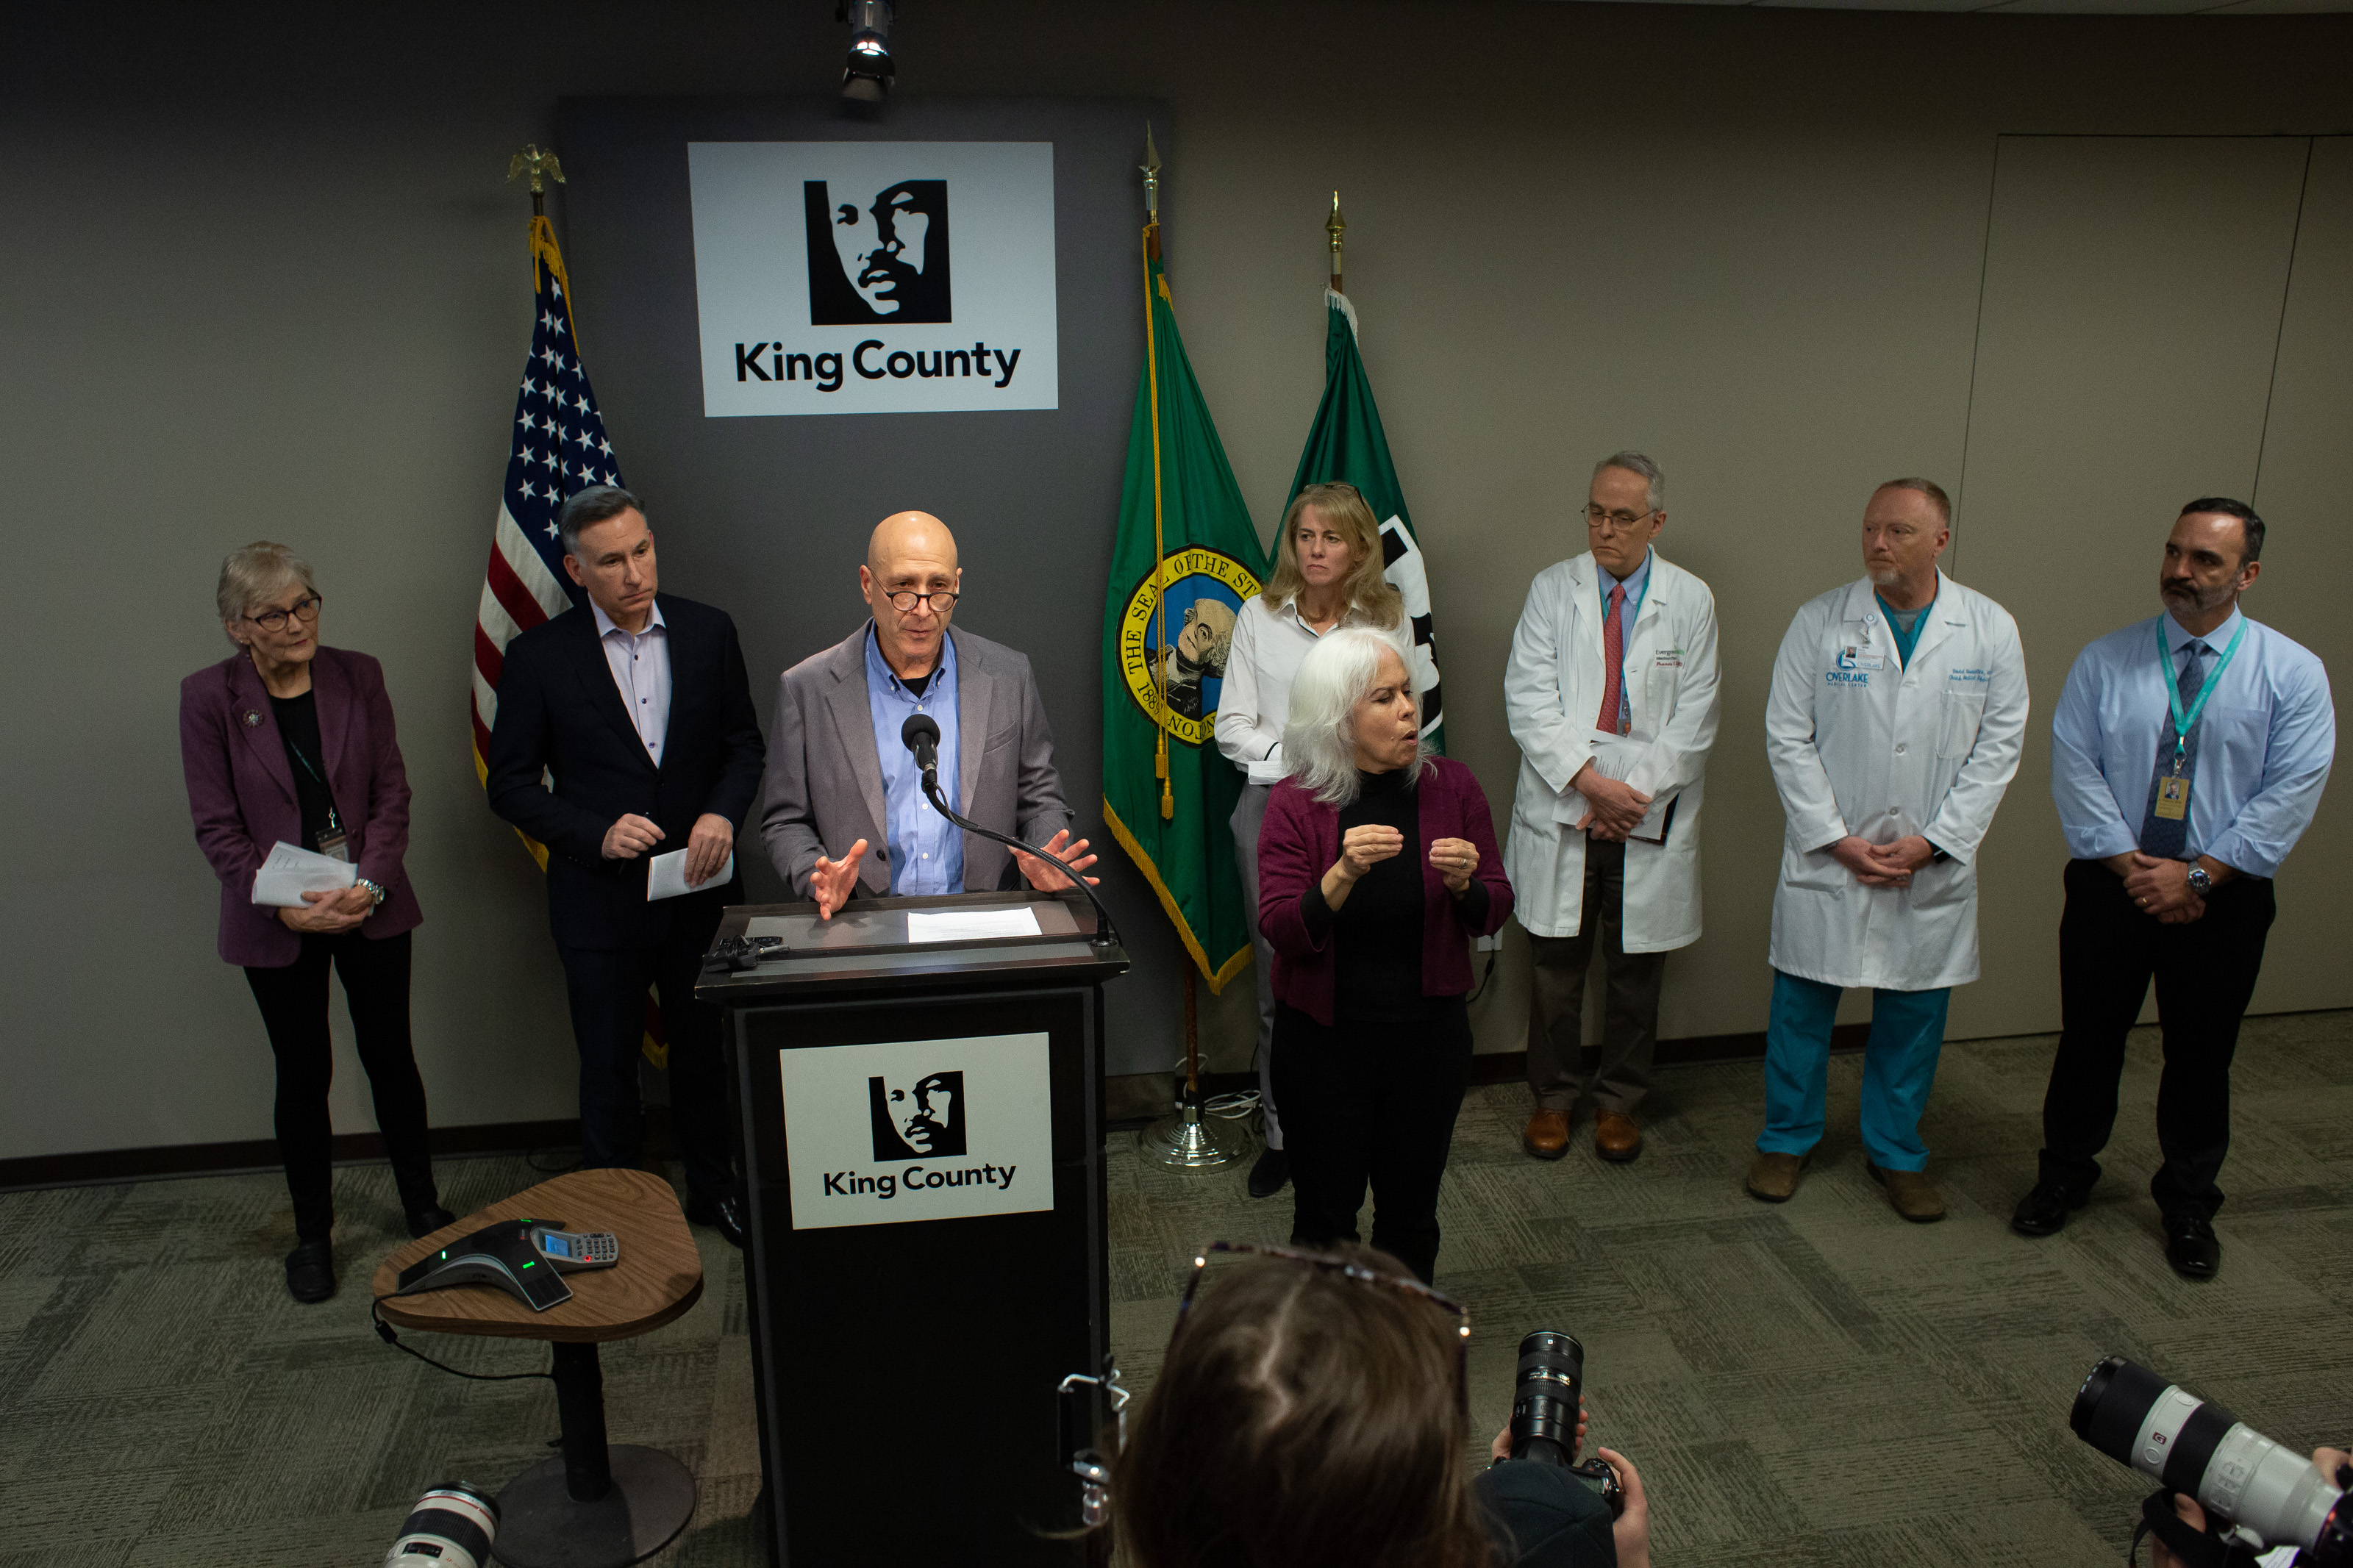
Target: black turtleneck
(1377, 931)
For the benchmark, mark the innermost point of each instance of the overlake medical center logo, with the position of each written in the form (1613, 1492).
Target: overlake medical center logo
(910, 1120)
(1183, 654)
(886, 261)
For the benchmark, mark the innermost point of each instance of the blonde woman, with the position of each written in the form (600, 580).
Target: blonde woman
(1327, 574)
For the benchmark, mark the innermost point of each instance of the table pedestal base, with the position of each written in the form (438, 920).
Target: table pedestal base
(541, 1525)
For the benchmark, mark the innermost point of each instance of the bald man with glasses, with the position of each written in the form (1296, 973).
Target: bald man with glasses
(843, 806)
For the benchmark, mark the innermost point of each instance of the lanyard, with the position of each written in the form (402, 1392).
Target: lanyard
(297, 750)
(2181, 724)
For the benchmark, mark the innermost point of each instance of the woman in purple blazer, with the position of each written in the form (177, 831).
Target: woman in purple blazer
(1376, 865)
(289, 741)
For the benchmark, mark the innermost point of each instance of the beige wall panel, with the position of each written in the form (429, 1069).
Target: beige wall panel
(2305, 495)
(2132, 303)
(258, 277)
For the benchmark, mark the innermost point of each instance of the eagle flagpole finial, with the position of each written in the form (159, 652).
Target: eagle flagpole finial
(542, 166)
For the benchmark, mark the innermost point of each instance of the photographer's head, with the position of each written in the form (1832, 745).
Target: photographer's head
(1311, 1411)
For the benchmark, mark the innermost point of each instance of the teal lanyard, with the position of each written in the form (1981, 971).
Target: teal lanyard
(332, 824)
(2182, 725)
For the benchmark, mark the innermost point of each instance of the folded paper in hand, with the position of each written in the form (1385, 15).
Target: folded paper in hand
(666, 876)
(290, 872)
(1614, 757)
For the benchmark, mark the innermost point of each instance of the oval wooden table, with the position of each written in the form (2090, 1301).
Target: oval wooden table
(600, 1505)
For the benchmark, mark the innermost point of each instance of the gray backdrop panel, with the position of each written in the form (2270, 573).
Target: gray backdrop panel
(767, 517)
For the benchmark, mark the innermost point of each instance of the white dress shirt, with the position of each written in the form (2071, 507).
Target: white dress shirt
(1254, 701)
(2265, 743)
(640, 665)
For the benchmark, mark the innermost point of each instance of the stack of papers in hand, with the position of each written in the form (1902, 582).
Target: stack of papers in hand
(290, 872)
(666, 876)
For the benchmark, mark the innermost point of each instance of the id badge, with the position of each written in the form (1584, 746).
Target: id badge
(334, 842)
(2173, 798)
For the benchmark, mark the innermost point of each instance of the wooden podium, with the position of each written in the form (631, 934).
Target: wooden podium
(919, 1094)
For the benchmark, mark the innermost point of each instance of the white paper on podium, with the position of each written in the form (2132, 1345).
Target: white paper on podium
(666, 876)
(290, 872)
(969, 925)
(1614, 757)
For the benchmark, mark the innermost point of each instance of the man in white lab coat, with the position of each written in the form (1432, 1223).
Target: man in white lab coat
(1611, 693)
(1893, 727)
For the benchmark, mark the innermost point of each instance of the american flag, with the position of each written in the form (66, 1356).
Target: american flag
(559, 447)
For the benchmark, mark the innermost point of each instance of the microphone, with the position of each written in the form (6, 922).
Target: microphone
(921, 734)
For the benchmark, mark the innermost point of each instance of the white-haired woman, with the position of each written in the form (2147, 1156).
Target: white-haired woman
(285, 740)
(1327, 574)
(1375, 866)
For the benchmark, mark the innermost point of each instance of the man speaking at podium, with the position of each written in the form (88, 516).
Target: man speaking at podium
(840, 779)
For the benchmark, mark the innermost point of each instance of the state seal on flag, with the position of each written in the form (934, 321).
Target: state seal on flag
(1182, 653)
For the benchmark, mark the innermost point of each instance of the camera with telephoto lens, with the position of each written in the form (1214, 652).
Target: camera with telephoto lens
(2265, 1494)
(452, 1526)
(1546, 1391)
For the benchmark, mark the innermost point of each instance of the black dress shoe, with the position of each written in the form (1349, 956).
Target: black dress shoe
(2189, 1242)
(723, 1215)
(1270, 1175)
(310, 1271)
(2045, 1211)
(425, 1221)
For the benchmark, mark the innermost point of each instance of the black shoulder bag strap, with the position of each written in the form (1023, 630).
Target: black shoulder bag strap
(2194, 1547)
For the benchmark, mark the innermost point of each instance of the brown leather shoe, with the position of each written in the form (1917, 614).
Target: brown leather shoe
(1914, 1195)
(1616, 1136)
(1774, 1177)
(1546, 1135)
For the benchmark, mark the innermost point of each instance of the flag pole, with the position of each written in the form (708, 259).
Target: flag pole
(1335, 225)
(1180, 1141)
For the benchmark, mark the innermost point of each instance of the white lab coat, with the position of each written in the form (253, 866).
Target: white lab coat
(1863, 745)
(1552, 695)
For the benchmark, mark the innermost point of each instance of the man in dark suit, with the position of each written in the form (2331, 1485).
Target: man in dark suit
(638, 702)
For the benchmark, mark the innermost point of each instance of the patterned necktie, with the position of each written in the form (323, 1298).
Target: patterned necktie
(1613, 661)
(2168, 838)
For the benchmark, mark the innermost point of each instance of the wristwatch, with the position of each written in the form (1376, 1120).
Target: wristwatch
(2200, 883)
(375, 892)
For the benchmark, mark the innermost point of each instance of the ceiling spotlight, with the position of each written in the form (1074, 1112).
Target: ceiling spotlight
(866, 76)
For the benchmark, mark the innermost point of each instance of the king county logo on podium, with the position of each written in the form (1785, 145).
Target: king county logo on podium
(1205, 589)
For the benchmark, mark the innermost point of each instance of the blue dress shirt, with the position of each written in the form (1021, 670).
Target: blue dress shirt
(2265, 743)
(926, 849)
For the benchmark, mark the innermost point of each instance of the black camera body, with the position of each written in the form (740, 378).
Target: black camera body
(1547, 1388)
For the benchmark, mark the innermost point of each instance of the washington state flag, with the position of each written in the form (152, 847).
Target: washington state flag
(1186, 558)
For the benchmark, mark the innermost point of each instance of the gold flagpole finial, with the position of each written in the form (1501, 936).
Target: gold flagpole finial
(1151, 167)
(1335, 225)
(542, 168)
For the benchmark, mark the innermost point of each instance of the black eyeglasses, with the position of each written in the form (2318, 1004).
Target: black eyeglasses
(1352, 1270)
(903, 601)
(307, 609)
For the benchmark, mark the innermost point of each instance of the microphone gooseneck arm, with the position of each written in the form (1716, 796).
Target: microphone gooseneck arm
(921, 734)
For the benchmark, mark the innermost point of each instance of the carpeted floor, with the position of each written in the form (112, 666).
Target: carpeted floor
(1813, 1384)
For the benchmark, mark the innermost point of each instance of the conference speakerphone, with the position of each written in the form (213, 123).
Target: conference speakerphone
(525, 1257)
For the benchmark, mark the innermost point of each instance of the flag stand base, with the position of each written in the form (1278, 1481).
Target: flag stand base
(1185, 1139)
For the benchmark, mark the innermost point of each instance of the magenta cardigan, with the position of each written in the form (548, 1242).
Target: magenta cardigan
(1300, 841)
(241, 792)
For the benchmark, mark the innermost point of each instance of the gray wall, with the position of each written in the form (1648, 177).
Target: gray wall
(260, 278)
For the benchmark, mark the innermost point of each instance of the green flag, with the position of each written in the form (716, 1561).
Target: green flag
(1188, 556)
(1345, 444)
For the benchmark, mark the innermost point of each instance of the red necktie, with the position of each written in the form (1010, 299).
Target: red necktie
(1613, 660)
